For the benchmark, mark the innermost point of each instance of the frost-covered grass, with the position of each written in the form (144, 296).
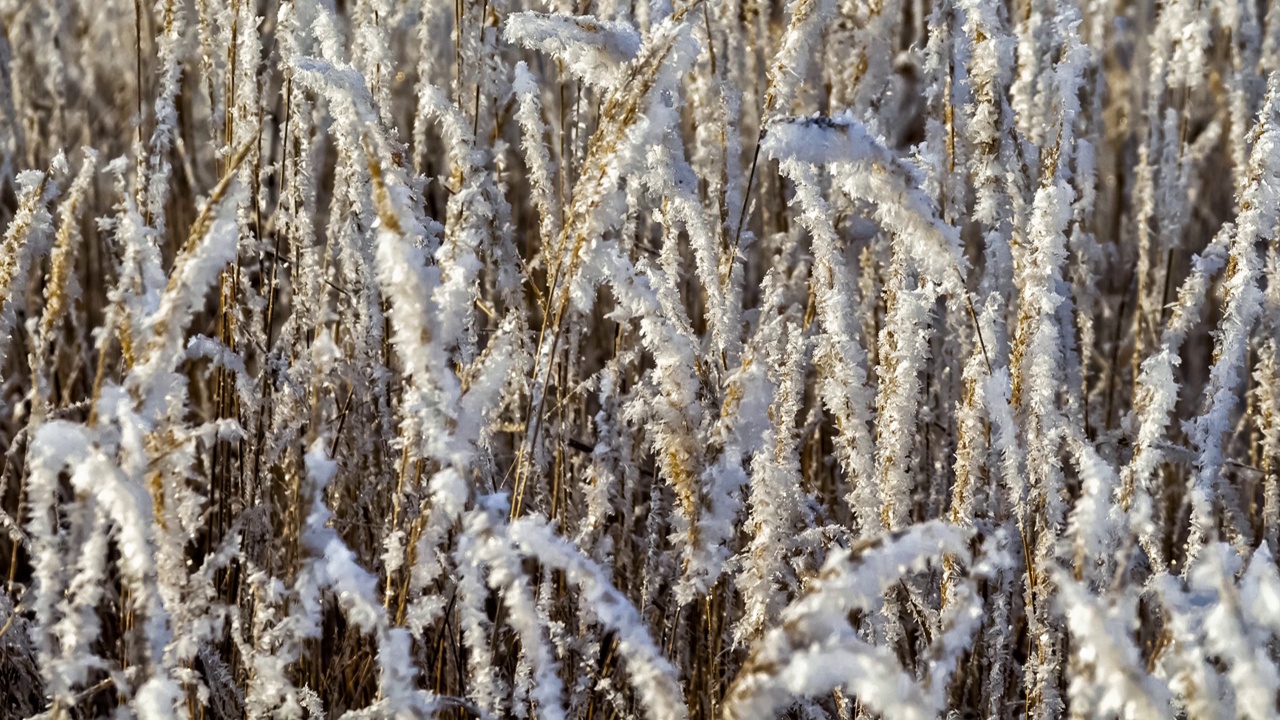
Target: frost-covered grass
(649, 359)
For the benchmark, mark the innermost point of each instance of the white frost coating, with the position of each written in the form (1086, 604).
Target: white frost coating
(60, 444)
(1252, 673)
(507, 578)
(537, 154)
(594, 50)
(815, 649)
(1110, 682)
(867, 169)
(1097, 520)
(195, 272)
(333, 565)
(24, 242)
(649, 672)
(1260, 206)
(157, 699)
(1158, 394)
(840, 355)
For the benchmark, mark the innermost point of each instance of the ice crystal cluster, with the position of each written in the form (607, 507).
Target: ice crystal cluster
(662, 359)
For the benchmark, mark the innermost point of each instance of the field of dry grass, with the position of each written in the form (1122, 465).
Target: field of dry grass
(652, 359)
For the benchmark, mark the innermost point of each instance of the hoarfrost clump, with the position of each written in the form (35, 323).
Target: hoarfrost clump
(831, 358)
